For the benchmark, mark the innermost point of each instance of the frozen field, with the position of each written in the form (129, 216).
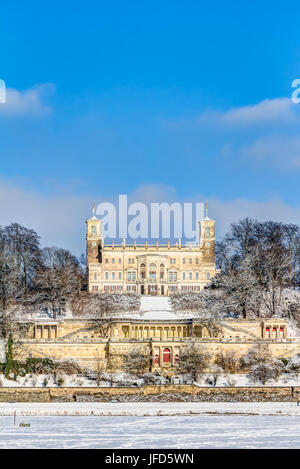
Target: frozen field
(149, 409)
(215, 431)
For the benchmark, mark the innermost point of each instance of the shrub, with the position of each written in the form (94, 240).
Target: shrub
(67, 367)
(259, 353)
(229, 361)
(137, 361)
(45, 382)
(262, 372)
(193, 360)
(60, 381)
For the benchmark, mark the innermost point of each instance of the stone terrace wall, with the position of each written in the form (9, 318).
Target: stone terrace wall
(150, 393)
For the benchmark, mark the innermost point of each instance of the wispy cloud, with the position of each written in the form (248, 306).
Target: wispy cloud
(266, 133)
(29, 102)
(263, 113)
(276, 150)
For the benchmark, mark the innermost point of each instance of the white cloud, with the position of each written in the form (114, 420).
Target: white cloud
(60, 218)
(265, 112)
(28, 102)
(226, 212)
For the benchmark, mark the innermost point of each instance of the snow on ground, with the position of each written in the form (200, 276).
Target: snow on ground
(214, 431)
(142, 409)
(157, 307)
(155, 303)
(121, 378)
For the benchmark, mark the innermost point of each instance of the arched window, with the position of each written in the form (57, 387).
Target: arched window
(183, 275)
(190, 275)
(197, 276)
(166, 355)
(176, 358)
(156, 359)
(162, 271)
(207, 232)
(152, 271)
(94, 230)
(143, 271)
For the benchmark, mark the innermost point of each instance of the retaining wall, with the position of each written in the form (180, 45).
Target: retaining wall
(150, 393)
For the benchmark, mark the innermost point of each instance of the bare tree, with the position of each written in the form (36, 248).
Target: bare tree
(59, 278)
(137, 361)
(193, 360)
(228, 361)
(25, 253)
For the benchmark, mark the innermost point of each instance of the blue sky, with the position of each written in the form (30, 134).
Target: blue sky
(163, 100)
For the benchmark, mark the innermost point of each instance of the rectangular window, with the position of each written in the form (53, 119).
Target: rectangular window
(120, 275)
(113, 261)
(113, 275)
(106, 275)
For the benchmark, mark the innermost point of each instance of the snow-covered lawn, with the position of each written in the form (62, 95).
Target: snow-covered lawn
(149, 408)
(151, 432)
(155, 303)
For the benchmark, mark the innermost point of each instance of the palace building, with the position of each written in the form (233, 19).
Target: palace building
(149, 269)
(154, 327)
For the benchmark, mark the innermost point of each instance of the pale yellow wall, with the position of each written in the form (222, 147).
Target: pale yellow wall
(78, 340)
(195, 260)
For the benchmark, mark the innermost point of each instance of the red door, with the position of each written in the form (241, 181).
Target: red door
(167, 355)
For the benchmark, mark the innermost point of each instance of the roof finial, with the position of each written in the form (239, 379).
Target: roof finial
(206, 209)
(93, 208)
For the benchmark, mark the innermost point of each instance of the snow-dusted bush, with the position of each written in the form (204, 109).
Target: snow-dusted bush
(263, 372)
(45, 382)
(153, 378)
(137, 361)
(229, 361)
(34, 381)
(230, 381)
(68, 367)
(193, 360)
(207, 303)
(292, 366)
(60, 380)
(122, 379)
(103, 304)
(258, 353)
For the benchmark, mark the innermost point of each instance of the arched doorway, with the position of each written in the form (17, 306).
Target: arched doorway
(166, 355)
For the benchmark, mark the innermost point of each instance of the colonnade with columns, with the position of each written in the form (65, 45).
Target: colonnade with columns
(274, 331)
(45, 331)
(156, 332)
